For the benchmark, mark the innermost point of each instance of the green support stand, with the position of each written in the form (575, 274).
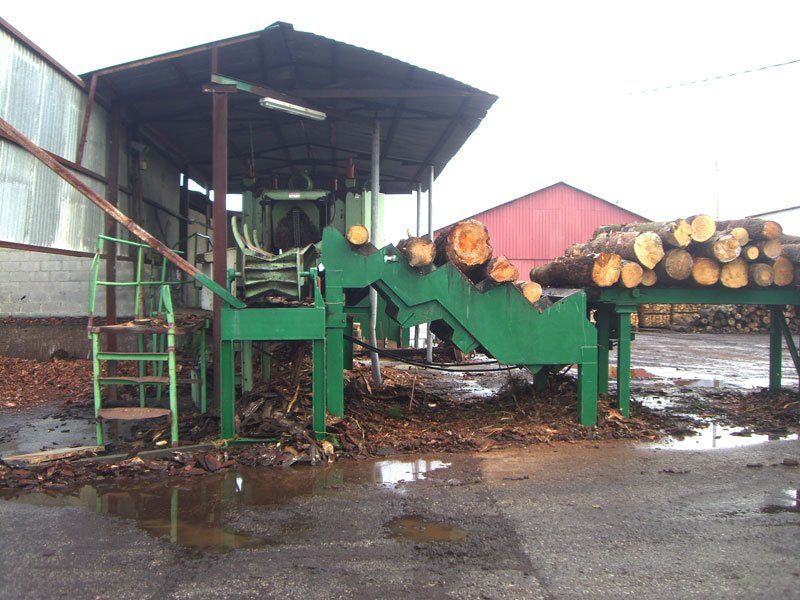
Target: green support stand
(247, 366)
(623, 312)
(587, 386)
(775, 347)
(603, 319)
(318, 382)
(265, 362)
(335, 323)
(227, 404)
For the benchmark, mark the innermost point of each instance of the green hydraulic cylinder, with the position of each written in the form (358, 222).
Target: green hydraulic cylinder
(775, 347)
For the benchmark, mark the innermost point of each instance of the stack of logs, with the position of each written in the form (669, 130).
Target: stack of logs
(721, 318)
(693, 252)
(466, 246)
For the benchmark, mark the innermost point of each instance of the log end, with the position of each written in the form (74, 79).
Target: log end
(726, 248)
(501, 270)
(734, 274)
(760, 275)
(741, 235)
(682, 233)
(358, 235)
(648, 248)
(607, 268)
(705, 271)
(703, 227)
(783, 271)
(649, 278)
(772, 230)
(531, 290)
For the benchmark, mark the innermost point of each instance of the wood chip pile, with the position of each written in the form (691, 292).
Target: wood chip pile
(693, 252)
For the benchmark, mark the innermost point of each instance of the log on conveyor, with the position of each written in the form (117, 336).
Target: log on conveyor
(769, 248)
(631, 274)
(792, 252)
(600, 270)
(751, 252)
(741, 235)
(358, 235)
(676, 233)
(649, 278)
(760, 275)
(782, 271)
(705, 271)
(496, 270)
(703, 227)
(418, 251)
(734, 274)
(758, 229)
(722, 246)
(676, 266)
(531, 290)
(464, 244)
(646, 248)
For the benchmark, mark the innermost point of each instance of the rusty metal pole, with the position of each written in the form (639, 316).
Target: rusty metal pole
(375, 226)
(112, 195)
(183, 225)
(87, 115)
(220, 215)
(429, 339)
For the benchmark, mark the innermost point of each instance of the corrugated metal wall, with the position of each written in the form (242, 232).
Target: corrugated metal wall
(36, 206)
(536, 228)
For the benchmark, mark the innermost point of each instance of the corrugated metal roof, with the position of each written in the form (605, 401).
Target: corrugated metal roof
(539, 226)
(164, 92)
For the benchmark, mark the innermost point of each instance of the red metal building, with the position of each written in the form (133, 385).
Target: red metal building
(539, 226)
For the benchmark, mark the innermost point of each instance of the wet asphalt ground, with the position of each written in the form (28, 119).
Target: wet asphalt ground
(572, 520)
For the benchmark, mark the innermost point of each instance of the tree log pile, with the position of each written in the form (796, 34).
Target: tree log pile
(693, 252)
(719, 318)
(466, 246)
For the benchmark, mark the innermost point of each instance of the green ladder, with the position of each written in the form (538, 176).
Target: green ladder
(154, 320)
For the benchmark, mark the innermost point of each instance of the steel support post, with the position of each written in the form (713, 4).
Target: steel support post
(203, 373)
(429, 337)
(98, 398)
(112, 195)
(603, 318)
(335, 323)
(226, 390)
(265, 362)
(419, 223)
(587, 386)
(624, 358)
(173, 386)
(375, 189)
(220, 183)
(775, 347)
(348, 344)
(246, 355)
(318, 382)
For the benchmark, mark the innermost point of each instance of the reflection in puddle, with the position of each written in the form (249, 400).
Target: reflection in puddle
(421, 530)
(194, 512)
(715, 437)
(788, 502)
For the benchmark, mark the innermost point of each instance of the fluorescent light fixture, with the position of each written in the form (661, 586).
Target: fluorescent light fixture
(292, 109)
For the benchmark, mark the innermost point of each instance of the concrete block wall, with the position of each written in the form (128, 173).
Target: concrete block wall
(38, 284)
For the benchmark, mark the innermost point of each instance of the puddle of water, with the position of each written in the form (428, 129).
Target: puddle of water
(716, 437)
(788, 502)
(193, 512)
(424, 531)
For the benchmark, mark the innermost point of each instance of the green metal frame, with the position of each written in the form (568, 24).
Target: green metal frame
(613, 307)
(499, 320)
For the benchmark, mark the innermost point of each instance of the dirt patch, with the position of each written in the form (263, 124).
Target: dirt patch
(25, 383)
(763, 411)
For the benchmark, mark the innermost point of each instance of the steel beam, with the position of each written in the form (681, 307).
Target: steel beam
(429, 338)
(375, 189)
(775, 347)
(87, 114)
(112, 195)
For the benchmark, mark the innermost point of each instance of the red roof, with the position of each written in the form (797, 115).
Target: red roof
(539, 226)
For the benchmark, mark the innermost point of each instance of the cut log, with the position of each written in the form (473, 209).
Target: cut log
(722, 246)
(750, 252)
(630, 274)
(792, 252)
(646, 248)
(782, 271)
(358, 235)
(760, 275)
(672, 233)
(601, 270)
(703, 227)
(734, 274)
(465, 244)
(675, 267)
(705, 271)
(419, 251)
(530, 289)
(758, 229)
(649, 278)
(741, 235)
(769, 248)
(498, 270)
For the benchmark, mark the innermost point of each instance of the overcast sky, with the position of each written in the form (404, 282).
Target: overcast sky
(572, 78)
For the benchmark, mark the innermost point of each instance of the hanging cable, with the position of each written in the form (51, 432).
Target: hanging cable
(424, 365)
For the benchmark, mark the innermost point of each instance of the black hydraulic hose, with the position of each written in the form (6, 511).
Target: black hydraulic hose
(424, 365)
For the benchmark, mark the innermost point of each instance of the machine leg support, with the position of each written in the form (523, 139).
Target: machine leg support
(318, 381)
(587, 386)
(624, 364)
(227, 403)
(775, 347)
(603, 318)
